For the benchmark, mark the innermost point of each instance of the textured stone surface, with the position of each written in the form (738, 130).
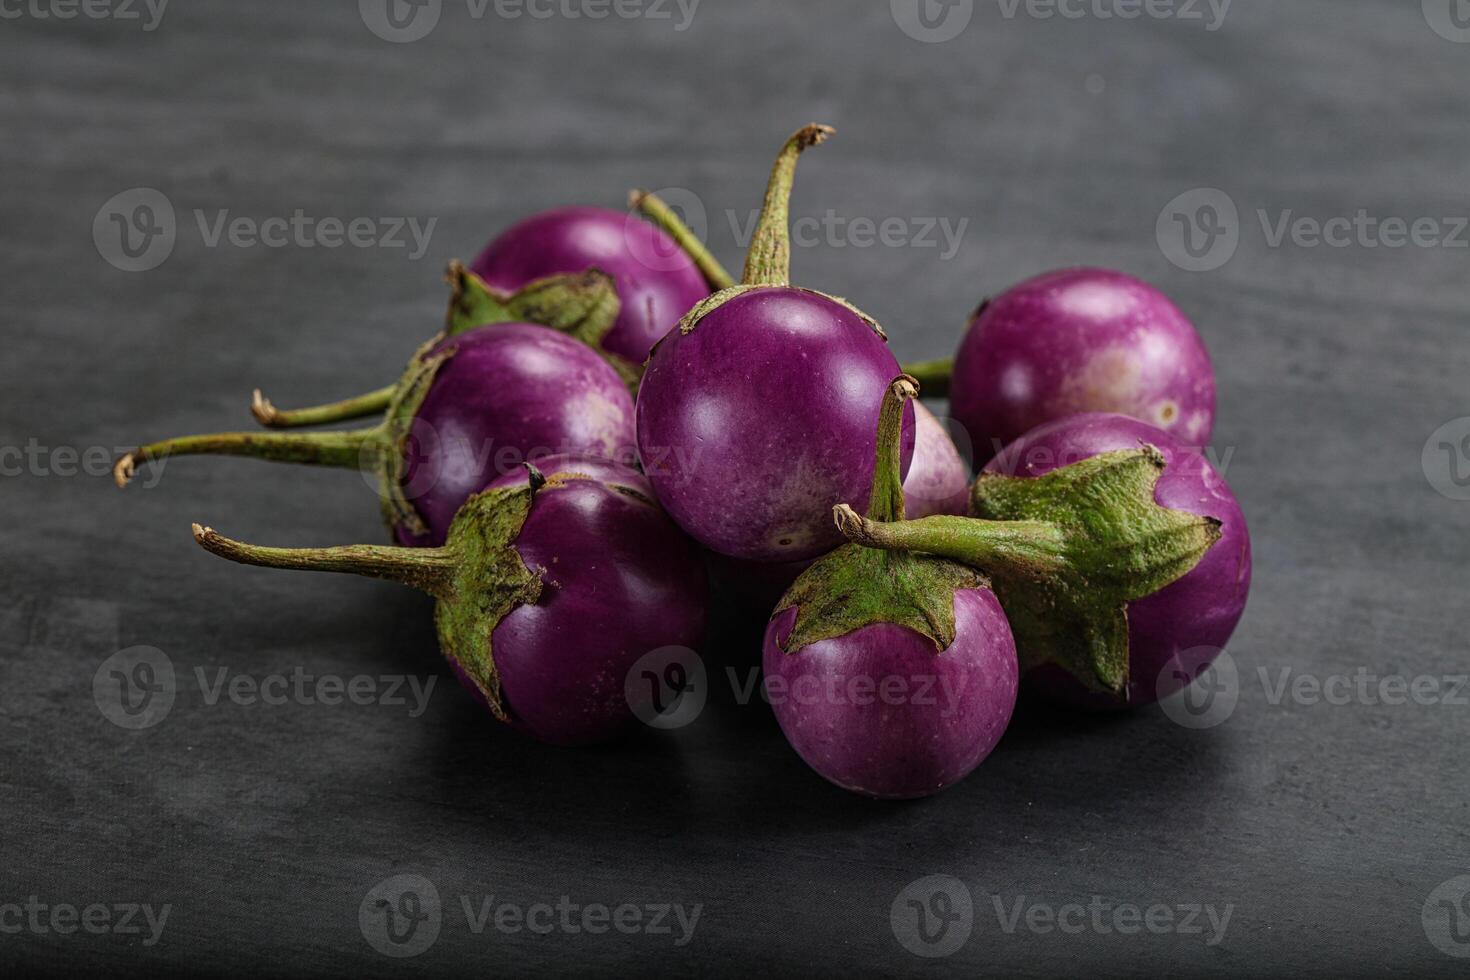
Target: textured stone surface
(1060, 141)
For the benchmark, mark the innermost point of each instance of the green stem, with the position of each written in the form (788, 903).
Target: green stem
(933, 376)
(885, 503)
(768, 263)
(372, 403)
(657, 211)
(1033, 548)
(429, 569)
(352, 449)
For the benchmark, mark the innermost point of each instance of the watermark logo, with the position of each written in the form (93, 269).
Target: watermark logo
(1450, 19)
(932, 21)
(1446, 917)
(404, 915)
(1199, 231)
(401, 916)
(1446, 459)
(933, 917)
(400, 21)
(1200, 688)
(135, 230)
(135, 688)
(657, 252)
(667, 688)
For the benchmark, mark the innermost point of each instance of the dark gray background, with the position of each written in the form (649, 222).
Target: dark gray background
(1326, 827)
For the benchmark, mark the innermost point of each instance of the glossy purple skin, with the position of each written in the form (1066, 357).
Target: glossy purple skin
(511, 392)
(657, 281)
(1176, 632)
(922, 737)
(1081, 340)
(621, 581)
(938, 481)
(758, 422)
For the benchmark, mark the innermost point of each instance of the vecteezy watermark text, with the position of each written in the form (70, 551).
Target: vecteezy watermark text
(405, 21)
(937, 21)
(402, 916)
(97, 919)
(935, 916)
(137, 230)
(1209, 689)
(1201, 230)
(830, 229)
(37, 459)
(1104, 917)
(833, 230)
(136, 688)
(148, 12)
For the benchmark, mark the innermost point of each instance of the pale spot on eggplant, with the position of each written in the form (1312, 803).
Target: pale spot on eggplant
(1108, 382)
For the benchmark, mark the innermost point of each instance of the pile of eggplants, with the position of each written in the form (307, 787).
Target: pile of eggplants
(607, 423)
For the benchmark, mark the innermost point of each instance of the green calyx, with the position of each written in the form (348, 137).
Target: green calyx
(768, 260)
(491, 582)
(582, 305)
(391, 465)
(1066, 553)
(857, 586)
(478, 578)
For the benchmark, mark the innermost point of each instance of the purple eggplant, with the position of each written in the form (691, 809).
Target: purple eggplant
(1116, 553)
(657, 280)
(1176, 632)
(892, 674)
(1080, 340)
(755, 415)
(611, 280)
(551, 585)
(470, 408)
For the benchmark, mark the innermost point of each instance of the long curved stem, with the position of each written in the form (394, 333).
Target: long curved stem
(372, 403)
(885, 503)
(933, 376)
(429, 569)
(768, 263)
(657, 211)
(352, 449)
(1033, 547)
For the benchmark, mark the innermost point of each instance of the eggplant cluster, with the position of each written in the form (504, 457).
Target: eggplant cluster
(607, 415)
